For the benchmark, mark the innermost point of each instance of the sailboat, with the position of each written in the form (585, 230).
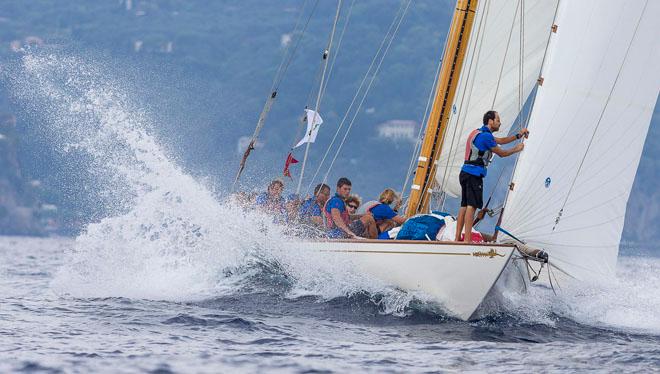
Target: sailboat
(587, 72)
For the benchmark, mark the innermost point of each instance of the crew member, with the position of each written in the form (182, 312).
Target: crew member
(311, 210)
(479, 150)
(338, 219)
(271, 201)
(387, 218)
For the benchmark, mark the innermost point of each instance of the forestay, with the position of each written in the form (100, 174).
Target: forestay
(588, 126)
(494, 75)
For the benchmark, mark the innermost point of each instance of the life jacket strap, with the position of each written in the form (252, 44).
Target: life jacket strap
(329, 222)
(468, 144)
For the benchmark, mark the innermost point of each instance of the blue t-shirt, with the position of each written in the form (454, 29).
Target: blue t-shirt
(262, 199)
(310, 208)
(382, 211)
(484, 142)
(272, 205)
(336, 202)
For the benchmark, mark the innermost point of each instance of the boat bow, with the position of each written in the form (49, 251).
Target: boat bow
(456, 275)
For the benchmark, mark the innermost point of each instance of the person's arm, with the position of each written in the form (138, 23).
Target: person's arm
(507, 152)
(399, 220)
(512, 138)
(506, 139)
(336, 218)
(398, 204)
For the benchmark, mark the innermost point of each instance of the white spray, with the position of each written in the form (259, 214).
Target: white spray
(168, 237)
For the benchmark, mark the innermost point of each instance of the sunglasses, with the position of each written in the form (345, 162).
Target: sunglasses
(353, 206)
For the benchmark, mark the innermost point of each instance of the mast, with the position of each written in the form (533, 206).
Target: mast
(457, 44)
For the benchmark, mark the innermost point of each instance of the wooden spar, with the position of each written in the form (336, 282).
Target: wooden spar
(457, 43)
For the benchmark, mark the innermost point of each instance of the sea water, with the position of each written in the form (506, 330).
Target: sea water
(59, 314)
(176, 278)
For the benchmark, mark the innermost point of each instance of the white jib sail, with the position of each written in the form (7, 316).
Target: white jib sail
(314, 121)
(588, 127)
(491, 76)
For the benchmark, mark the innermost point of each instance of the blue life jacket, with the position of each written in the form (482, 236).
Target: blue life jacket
(421, 226)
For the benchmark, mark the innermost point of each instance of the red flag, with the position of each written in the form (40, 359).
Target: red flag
(289, 160)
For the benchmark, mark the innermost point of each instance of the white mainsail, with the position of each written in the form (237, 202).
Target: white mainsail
(588, 126)
(491, 75)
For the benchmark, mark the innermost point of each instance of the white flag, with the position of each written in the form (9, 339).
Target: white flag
(314, 121)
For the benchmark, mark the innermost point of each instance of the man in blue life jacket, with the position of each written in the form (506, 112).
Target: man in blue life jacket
(272, 201)
(339, 222)
(311, 210)
(479, 150)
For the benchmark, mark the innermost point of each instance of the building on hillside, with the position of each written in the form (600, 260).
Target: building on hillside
(285, 40)
(398, 130)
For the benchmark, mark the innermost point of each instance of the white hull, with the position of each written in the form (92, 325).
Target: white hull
(456, 275)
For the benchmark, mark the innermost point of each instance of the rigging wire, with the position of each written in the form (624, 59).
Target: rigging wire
(531, 214)
(279, 77)
(420, 132)
(338, 48)
(520, 87)
(527, 195)
(506, 52)
(313, 88)
(521, 52)
(364, 79)
(326, 54)
(521, 71)
(529, 113)
(521, 76)
(499, 79)
(301, 126)
(419, 139)
(428, 182)
(277, 80)
(478, 42)
(432, 94)
(373, 78)
(558, 165)
(600, 118)
(490, 196)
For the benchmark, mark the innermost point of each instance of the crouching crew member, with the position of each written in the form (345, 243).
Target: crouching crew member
(311, 210)
(387, 218)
